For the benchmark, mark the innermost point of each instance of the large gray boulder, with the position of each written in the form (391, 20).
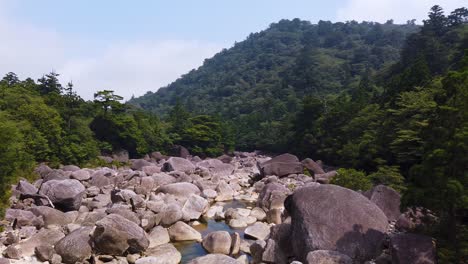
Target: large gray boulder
(281, 165)
(386, 199)
(178, 164)
(181, 190)
(76, 246)
(327, 257)
(214, 259)
(409, 248)
(114, 235)
(331, 217)
(66, 195)
(217, 242)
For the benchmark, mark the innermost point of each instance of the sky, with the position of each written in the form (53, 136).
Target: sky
(133, 47)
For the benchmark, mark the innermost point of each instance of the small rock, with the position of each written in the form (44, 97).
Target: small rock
(180, 231)
(217, 242)
(258, 231)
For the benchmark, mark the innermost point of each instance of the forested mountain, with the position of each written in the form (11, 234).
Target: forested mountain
(258, 83)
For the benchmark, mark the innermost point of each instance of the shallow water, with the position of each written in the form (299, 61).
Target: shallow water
(193, 249)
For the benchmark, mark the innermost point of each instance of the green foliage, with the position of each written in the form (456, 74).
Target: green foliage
(258, 84)
(390, 176)
(352, 179)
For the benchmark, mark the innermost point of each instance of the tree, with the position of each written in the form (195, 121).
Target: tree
(108, 100)
(437, 21)
(458, 16)
(50, 84)
(352, 179)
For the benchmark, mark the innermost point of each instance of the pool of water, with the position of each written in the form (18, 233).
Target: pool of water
(193, 249)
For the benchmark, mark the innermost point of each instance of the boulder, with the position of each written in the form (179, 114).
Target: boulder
(25, 187)
(76, 246)
(171, 213)
(161, 179)
(44, 252)
(216, 167)
(409, 248)
(225, 158)
(66, 195)
(312, 166)
(80, 175)
(325, 178)
(51, 216)
(178, 164)
(258, 213)
(272, 196)
(158, 236)
(281, 169)
(180, 231)
(386, 199)
(70, 168)
(138, 164)
(163, 254)
(100, 180)
(281, 165)
(194, 207)
(179, 151)
(150, 170)
(127, 196)
(235, 244)
(124, 212)
(217, 242)
(214, 259)
(45, 237)
(259, 231)
(327, 257)
(331, 217)
(115, 235)
(181, 190)
(56, 175)
(157, 156)
(23, 218)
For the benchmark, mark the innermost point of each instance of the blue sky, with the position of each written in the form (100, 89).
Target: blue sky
(135, 46)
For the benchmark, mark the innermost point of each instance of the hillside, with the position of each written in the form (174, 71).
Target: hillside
(272, 69)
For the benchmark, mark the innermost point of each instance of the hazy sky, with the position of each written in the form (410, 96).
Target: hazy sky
(136, 46)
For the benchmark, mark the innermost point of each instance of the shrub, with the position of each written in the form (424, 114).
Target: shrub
(352, 179)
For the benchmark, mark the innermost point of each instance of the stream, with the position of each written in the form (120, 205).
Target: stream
(192, 249)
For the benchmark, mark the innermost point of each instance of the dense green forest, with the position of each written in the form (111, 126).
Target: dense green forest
(387, 103)
(259, 83)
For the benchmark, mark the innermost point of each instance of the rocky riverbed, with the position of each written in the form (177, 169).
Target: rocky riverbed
(245, 208)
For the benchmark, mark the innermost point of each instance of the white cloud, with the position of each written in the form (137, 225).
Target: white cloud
(135, 68)
(398, 10)
(129, 68)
